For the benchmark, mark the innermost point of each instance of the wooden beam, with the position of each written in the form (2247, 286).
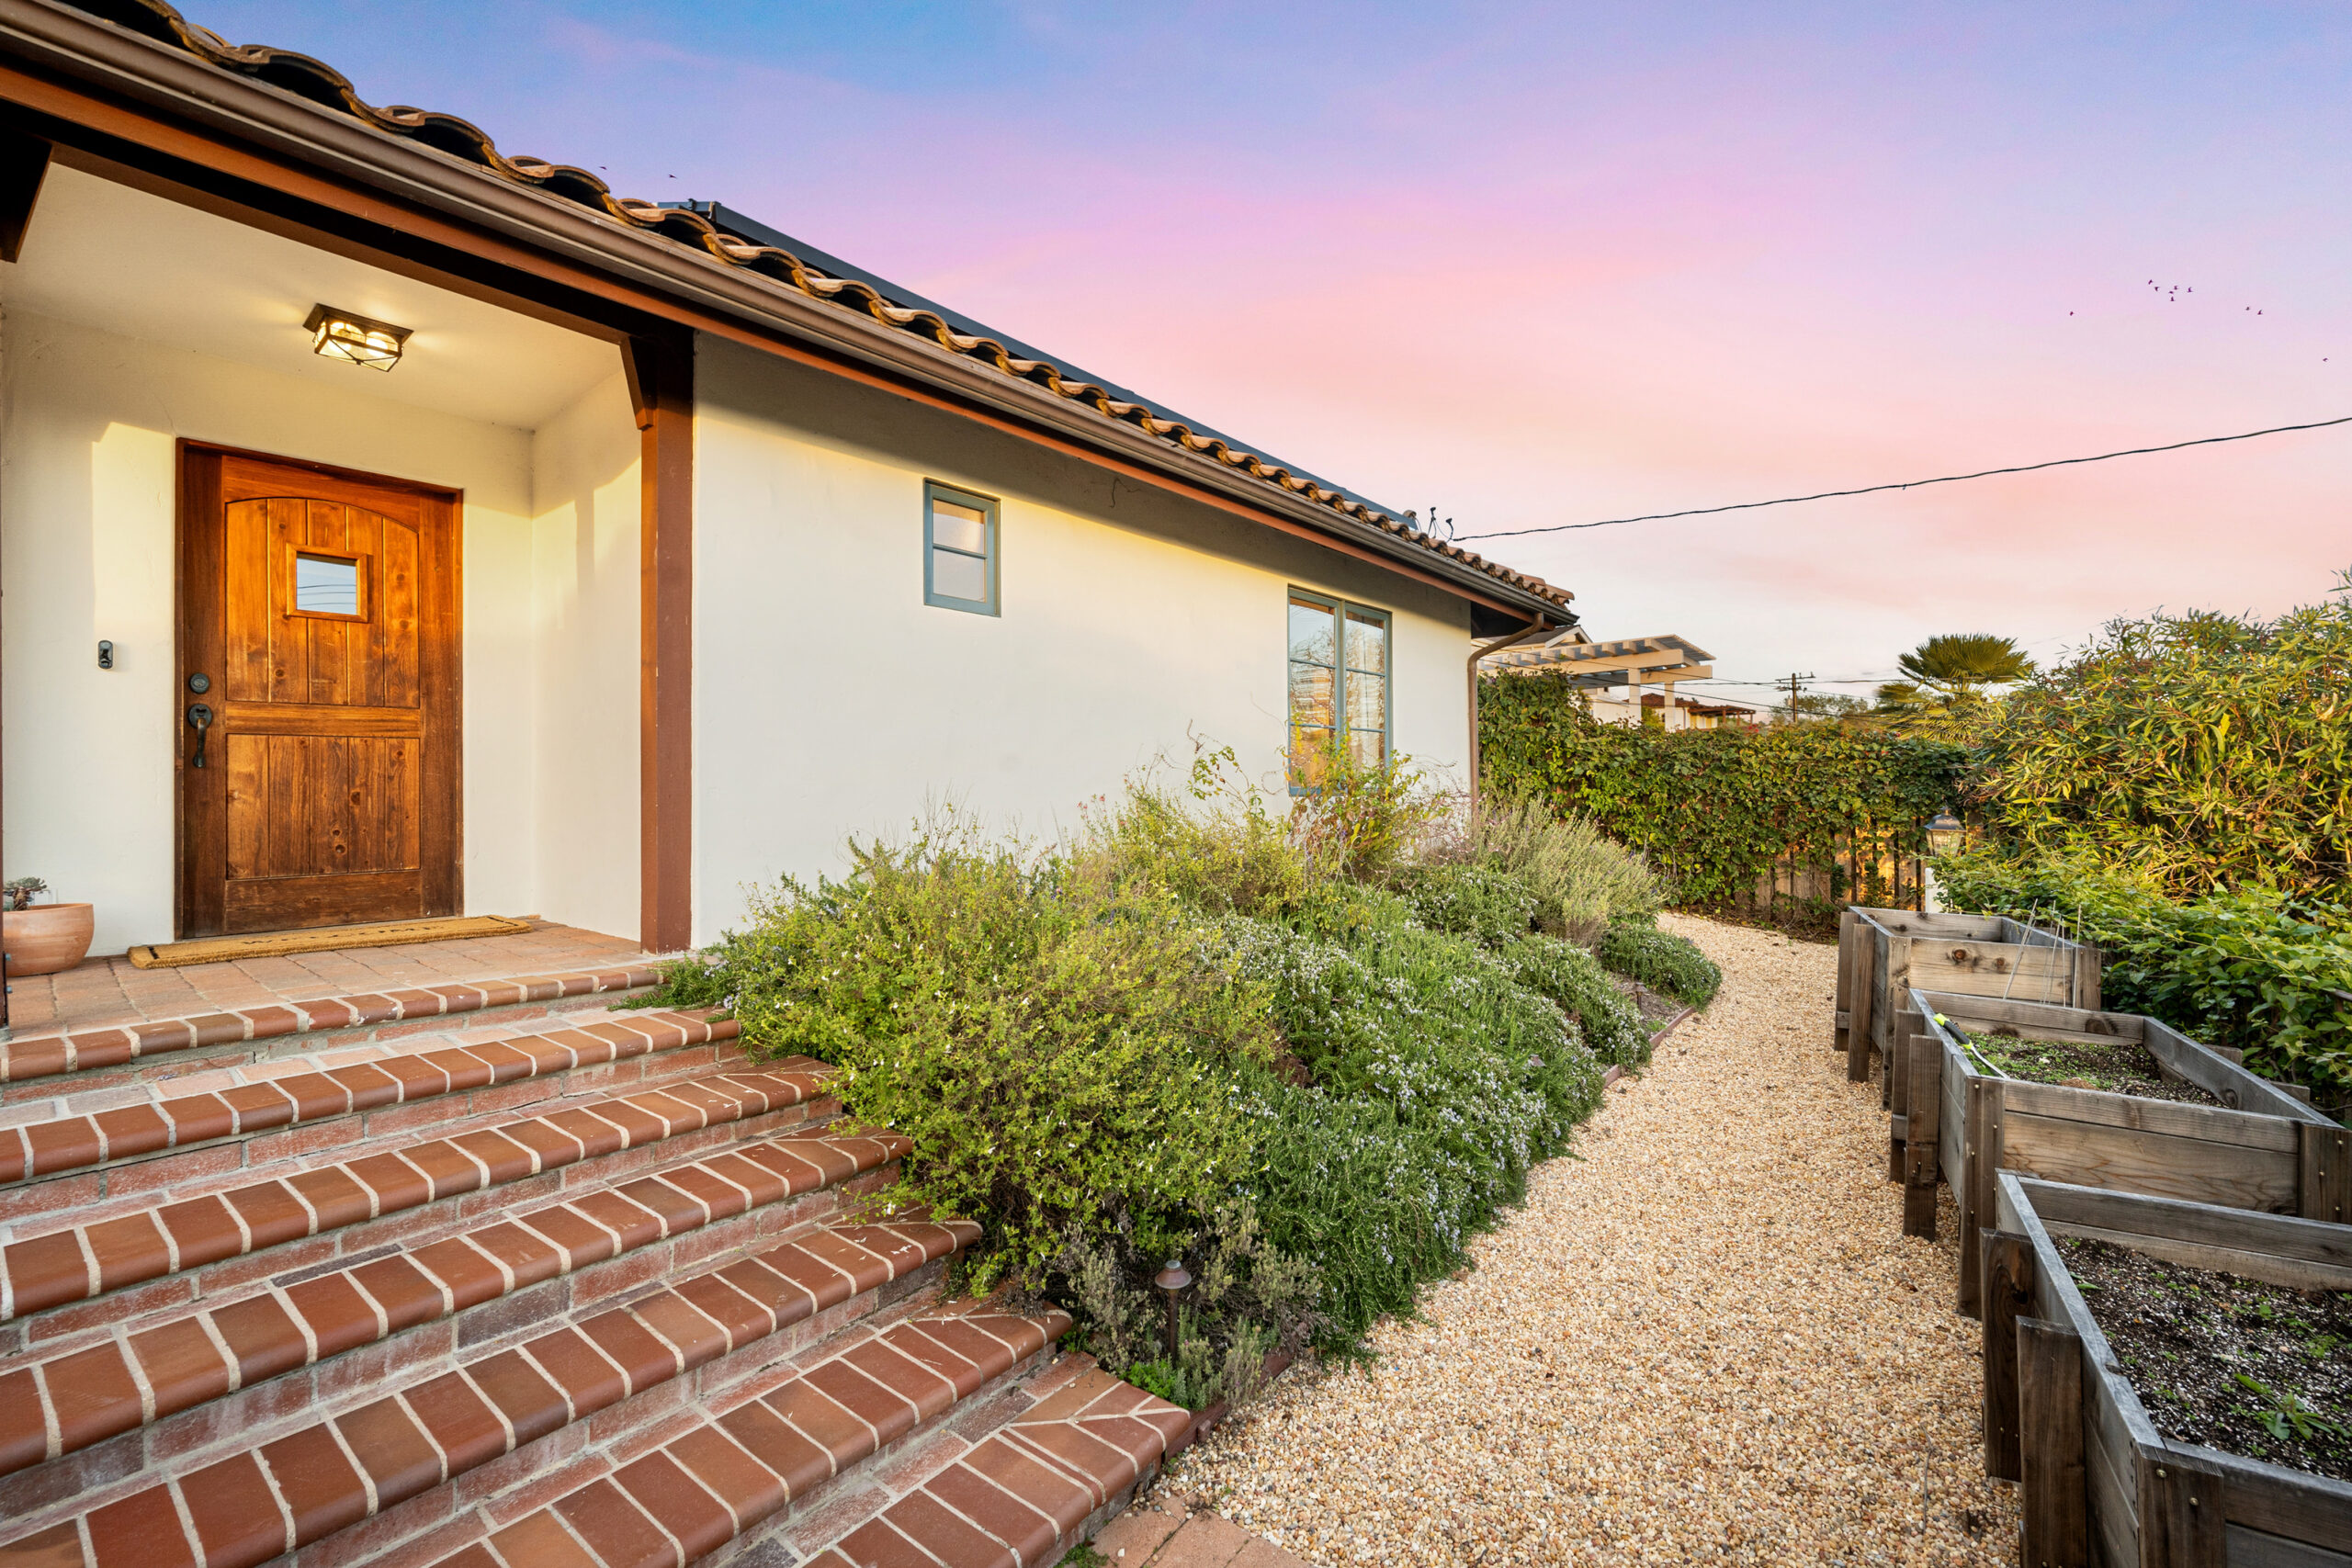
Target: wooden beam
(662, 382)
(24, 163)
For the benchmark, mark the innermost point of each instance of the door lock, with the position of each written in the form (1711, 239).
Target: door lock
(199, 718)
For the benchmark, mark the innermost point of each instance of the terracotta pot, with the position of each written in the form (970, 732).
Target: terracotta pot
(45, 938)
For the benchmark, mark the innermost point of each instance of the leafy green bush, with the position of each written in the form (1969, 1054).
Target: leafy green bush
(1436, 1082)
(1716, 809)
(1202, 1031)
(1063, 1052)
(1490, 907)
(1581, 878)
(1214, 847)
(2252, 969)
(1224, 1324)
(1575, 981)
(1661, 961)
(2195, 751)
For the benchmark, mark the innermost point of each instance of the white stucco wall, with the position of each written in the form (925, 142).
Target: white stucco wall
(585, 568)
(831, 700)
(87, 421)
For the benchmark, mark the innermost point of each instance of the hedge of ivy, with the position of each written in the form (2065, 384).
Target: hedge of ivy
(1715, 808)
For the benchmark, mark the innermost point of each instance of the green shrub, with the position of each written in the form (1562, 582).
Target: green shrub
(1363, 819)
(1063, 1055)
(2254, 969)
(1488, 905)
(1661, 961)
(1575, 981)
(1436, 1082)
(1188, 1035)
(2195, 752)
(1247, 1297)
(1716, 809)
(1214, 847)
(1581, 878)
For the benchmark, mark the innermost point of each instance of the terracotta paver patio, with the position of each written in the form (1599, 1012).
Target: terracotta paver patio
(102, 992)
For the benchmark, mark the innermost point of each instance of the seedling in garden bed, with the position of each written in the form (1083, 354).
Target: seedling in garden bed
(2117, 1066)
(2224, 1361)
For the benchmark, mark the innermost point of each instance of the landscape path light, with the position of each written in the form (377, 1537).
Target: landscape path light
(1172, 1282)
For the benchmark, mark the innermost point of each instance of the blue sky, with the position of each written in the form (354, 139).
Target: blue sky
(1547, 263)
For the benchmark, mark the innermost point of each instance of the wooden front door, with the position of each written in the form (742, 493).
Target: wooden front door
(319, 637)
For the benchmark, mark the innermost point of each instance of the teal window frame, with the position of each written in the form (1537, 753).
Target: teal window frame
(1339, 610)
(992, 544)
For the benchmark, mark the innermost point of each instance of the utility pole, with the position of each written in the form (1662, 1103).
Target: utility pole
(1797, 678)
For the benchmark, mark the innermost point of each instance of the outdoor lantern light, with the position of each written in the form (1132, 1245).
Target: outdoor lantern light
(1943, 834)
(1172, 1282)
(340, 334)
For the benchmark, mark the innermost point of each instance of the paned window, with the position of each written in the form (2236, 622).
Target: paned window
(1339, 684)
(959, 549)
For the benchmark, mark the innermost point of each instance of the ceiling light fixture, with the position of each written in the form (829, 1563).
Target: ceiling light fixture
(356, 339)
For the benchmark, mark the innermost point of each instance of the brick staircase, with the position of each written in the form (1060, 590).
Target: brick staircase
(515, 1288)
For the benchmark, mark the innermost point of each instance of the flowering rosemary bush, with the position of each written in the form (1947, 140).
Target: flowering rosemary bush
(1201, 1030)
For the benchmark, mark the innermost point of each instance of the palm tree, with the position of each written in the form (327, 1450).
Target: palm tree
(1948, 675)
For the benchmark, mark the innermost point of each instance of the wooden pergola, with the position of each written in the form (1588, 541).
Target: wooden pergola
(1635, 661)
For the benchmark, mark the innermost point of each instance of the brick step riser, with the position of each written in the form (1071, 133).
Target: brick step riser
(192, 1438)
(440, 1520)
(833, 1510)
(423, 1115)
(409, 1228)
(141, 1186)
(822, 1502)
(156, 1063)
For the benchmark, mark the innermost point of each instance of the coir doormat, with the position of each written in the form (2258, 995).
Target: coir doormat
(277, 944)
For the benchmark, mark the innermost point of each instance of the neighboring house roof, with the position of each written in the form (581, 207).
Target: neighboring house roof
(1613, 663)
(711, 230)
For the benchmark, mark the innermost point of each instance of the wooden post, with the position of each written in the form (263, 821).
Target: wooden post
(1858, 1025)
(2087, 964)
(2323, 1190)
(1847, 921)
(1922, 1127)
(662, 381)
(2180, 1513)
(2008, 1295)
(1975, 1192)
(2054, 1497)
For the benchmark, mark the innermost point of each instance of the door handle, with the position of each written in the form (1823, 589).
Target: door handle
(200, 719)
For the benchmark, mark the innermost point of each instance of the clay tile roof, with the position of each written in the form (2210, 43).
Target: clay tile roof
(320, 83)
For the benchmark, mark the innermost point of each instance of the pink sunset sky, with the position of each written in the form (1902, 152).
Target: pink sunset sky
(1550, 264)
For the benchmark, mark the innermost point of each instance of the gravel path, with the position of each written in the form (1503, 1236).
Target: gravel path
(1706, 1340)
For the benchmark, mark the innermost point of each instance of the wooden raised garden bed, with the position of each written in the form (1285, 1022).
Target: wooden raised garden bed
(2093, 1398)
(1884, 953)
(2180, 1120)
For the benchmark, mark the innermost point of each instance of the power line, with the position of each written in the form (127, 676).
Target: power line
(1908, 484)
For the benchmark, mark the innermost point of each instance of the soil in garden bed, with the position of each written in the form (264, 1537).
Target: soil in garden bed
(2227, 1362)
(2119, 1067)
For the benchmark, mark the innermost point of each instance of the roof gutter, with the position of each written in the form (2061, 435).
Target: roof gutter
(59, 43)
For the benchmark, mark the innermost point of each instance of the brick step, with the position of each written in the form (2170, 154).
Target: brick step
(1025, 1494)
(234, 1355)
(56, 1136)
(517, 1405)
(111, 1055)
(812, 1448)
(374, 1193)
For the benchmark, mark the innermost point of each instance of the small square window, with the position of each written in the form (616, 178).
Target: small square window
(959, 550)
(326, 583)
